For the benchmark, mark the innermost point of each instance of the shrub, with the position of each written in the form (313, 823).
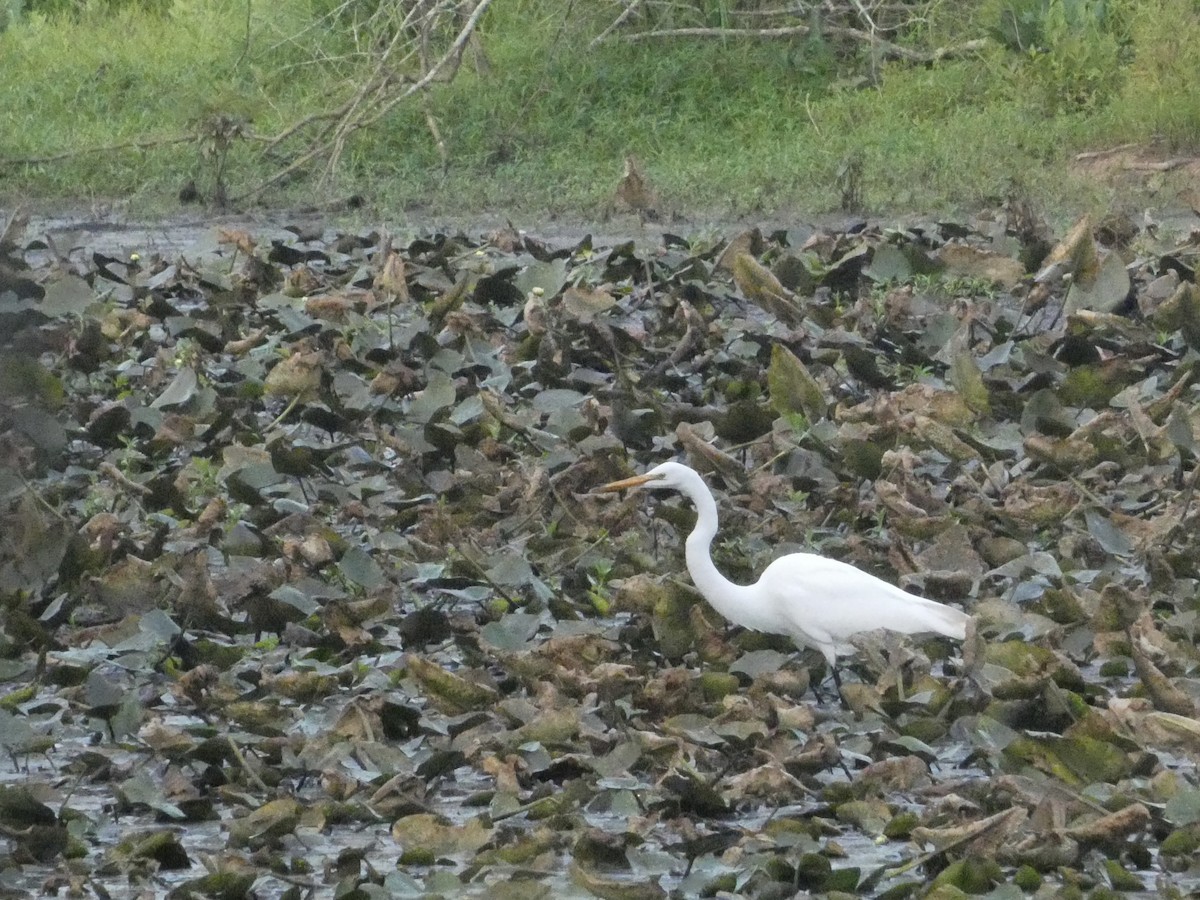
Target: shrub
(1158, 94)
(1074, 49)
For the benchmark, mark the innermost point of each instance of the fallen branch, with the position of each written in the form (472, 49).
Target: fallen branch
(1165, 165)
(889, 49)
(783, 31)
(1089, 155)
(148, 144)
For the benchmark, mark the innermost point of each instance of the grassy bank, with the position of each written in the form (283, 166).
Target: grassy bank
(538, 120)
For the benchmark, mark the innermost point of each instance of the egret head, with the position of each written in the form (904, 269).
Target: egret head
(666, 476)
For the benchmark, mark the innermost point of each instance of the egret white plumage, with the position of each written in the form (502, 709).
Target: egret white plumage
(820, 603)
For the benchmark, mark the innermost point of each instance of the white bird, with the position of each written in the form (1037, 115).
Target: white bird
(820, 603)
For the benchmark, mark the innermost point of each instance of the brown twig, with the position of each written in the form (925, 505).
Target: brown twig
(889, 49)
(114, 474)
(149, 144)
(379, 93)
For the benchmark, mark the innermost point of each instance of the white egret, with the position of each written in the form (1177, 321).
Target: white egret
(820, 603)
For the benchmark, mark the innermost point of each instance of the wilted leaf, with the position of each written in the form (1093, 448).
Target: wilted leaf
(140, 788)
(968, 381)
(438, 836)
(1076, 761)
(448, 690)
(392, 277)
(1105, 292)
(888, 263)
(971, 262)
(586, 303)
(546, 277)
(1179, 429)
(1075, 254)
(296, 375)
(1108, 535)
(512, 632)
(613, 888)
(358, 566)
(67, 295)
(42, 428)
(793, 389)
(438, 394)
(20, 809)
(1183, 808)
(759, 662)
(1114, 827)
(267, 825)
(763, 289)
(162, 848)
(179, 391)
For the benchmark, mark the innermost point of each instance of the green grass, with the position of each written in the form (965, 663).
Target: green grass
(721, 128)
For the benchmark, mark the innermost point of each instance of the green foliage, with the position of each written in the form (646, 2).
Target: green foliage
(1080, 65)
(75, 83)
(599, 593)
(83, 8)
(1073, 48)
(1018, 24)
(540, 119)
(1029, 25)
(10, 12)
(1158, 96)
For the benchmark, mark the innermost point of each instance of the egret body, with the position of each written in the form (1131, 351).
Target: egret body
(818, 602)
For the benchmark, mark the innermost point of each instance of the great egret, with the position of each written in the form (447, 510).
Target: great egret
(820, 603)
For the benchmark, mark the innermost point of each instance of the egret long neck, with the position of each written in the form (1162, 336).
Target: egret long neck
(729, 599)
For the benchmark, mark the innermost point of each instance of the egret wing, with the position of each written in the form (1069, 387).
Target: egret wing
(826, 602)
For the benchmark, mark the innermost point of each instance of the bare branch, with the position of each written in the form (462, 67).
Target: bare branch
(837, 18)
(620, 20)
(786, 31)
(889, 49)
(148, 144)
(386, 85)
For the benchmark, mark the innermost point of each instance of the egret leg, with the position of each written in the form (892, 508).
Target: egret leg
(815, 686)
(837, 680)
